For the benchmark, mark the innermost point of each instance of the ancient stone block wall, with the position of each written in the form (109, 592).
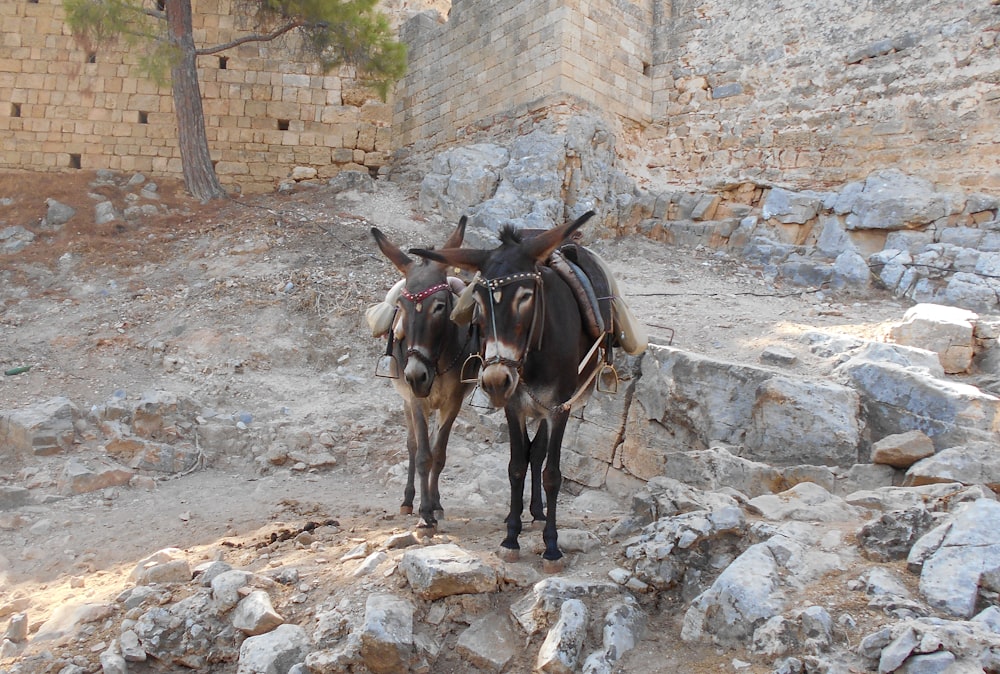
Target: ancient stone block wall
(65, 106)
(813, 94)
(502, 59)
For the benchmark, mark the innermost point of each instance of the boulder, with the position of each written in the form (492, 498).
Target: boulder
(444, 570)
(947, 331)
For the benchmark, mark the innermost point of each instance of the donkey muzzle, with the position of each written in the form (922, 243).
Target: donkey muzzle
(498, 382)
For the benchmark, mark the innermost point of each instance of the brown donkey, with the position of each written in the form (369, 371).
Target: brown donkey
(432, 350)
(537, 361)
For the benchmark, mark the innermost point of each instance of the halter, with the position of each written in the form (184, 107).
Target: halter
(493, 290)
(430, 363)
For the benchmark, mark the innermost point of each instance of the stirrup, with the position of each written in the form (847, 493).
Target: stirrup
(387, 366)
(607, 379)
(470, 369)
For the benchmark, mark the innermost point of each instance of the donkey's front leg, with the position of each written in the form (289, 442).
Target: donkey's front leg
(411, 449)
(427, 522)
(536, 457)
(552, 558)
(516, 471)
(439, 454)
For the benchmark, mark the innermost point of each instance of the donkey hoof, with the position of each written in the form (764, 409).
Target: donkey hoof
(424, 530)
(405, 510)
(509, 555)
(553, 566)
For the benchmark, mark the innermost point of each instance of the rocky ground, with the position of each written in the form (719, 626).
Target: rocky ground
(253, 309)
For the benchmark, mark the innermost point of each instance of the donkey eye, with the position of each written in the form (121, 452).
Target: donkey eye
(524, 299)
(438, 308)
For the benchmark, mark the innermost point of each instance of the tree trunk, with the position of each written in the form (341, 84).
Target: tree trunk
(196, 160)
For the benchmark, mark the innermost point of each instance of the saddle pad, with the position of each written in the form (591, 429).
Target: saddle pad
(583, 289)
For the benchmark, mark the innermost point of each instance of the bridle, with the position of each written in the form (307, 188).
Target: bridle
(494, 289)
(417, 300)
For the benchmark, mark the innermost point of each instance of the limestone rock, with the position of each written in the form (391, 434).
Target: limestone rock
(274, 652)
(948, 331)
(969, 464)
(387, 644)
(902, 450)
(255, 615)
(444, 570)
(954, 557)
(560, 650)
(489, 643)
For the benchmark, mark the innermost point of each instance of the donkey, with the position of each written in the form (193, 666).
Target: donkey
(536, 362)
(432, 350)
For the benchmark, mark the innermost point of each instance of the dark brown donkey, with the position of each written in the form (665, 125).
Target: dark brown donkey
(432, 350)
(534, 348)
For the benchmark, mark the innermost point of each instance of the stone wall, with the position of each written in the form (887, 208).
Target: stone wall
(503, 59)
(817, 94)
(64, 105)
(721, 92)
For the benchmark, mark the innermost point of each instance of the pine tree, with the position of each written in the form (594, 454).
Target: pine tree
(332, 32)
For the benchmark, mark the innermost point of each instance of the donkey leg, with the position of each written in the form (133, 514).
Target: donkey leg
(516, 471)
(439, 454)
(536, 456)
(552, 558)
(427, 521)
(411, 448)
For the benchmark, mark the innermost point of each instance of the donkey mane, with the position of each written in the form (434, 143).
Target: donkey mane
(510, 234)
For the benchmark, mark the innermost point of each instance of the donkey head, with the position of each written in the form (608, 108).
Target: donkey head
(423, 309)
(509, 300)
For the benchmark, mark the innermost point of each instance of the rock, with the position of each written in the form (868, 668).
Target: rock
(57, 214)
(168, 565)
(539, 609)
(14, 497)
(112, 662)
(807, 502)
(972, 463)
(387, 644)
(489, 643)
(300, 173)
(902, 450)
(790, 207)
(357, 181)
(41, 430)
(78, 479)
(226, 587)
(255, 615)
(105, 212)
(954, 556)
(623, 627)
(740, 599)
(891, 535)
(893, 200)
(274, 652)
(17, 628)
(65, 620)
(560, 650)
(444, 570)
(15, 239)
(899, 398)
(948, 331)
(797, 421)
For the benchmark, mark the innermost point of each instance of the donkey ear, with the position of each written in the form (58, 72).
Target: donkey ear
(465, 258)
(541, 246)
(455, 240)
(392, 251)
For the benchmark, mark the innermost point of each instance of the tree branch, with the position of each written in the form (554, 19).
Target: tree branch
(277, 32)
